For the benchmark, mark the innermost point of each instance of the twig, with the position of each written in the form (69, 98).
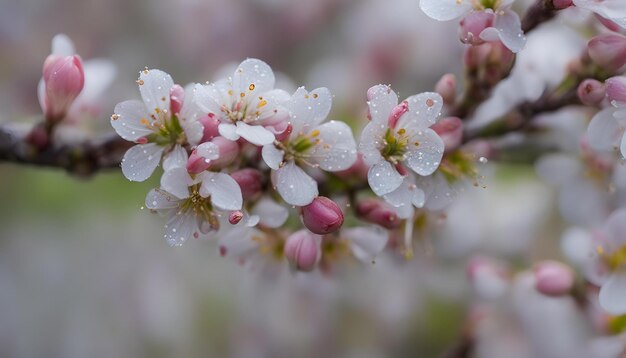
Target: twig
(82, 159)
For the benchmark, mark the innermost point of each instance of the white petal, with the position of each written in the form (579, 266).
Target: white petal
(616, 227)
(176, 181)
(307, 110)
(407, 194)
(127, 120)
(439, 193)
(224, 191)
(194, 130)
(294, 185)
(158, 199)
(557, 169)
(613, 294)
(444, 10)
(228, 131)
(253, 76)
(140, 161)
(510, 31)
(41, 94)
(176, 158)
(613, 10)
(270, 213)
(208, 150)
(272, 156)
(622, 146)
(371, 140)
(366, 243)
(155, 88)
(62, 45)
(257, 135)
(237, 241)
(577, 245)
(383, 178)
(383, 100)
(180, 228)
(424, 110)
(208, 98)
(336, 150)
(424, 158)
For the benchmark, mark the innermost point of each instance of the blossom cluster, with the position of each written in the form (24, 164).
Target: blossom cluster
(266, 175)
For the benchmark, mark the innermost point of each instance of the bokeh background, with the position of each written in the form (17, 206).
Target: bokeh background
(84, 271)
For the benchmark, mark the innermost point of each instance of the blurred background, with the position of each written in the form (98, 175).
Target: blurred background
(84, 271)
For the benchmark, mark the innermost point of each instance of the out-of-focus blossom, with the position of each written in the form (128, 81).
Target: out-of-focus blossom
(608, 50)
(246, 104)
(329, 146)
(152, 124)
(606, 130)
(302, 250)
(591, 92)
(613, 10)
(499, 22)
(602, 255)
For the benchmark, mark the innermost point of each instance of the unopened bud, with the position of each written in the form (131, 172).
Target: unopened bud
(591, 92)
(322, 216)
(210, 124)
(561, 4)
(553, 278)
(177, 96)
(64, 78)
(473, 24)
(616, 89)
(235, 217)
(377, 212)
(201, 157)
(228, 151)
(450, 130)
(302, 250)
(446, 87)
(250, 181)
(608, 50)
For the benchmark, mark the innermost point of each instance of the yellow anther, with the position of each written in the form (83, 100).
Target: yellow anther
(115, 117)
(401, 131)
(315, 133)
(242, 95)
(261, 103)
(251, 87)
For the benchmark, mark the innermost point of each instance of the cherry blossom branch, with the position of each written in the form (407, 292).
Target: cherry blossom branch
(82, 159)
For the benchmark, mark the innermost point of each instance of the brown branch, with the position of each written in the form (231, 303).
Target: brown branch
(81, 159)
(540, 12)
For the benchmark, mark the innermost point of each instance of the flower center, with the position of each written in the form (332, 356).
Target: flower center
(245, 107)
(297, 149)
(201, 207)
(395, 145)
(614, 260)
(486, 4)
(166, 129)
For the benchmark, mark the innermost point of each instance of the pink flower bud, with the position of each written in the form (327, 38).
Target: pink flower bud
(450, 129)
(377, 212)
(302, 250)
(553, 278)
(591, 92)
(177, 96)
(228, 151)
(561, 4)
(250, 181)
(608, 50)
(196, 163)
(64, 79)
(616, 89)
(397, 112)
(210, 124)
(235, 217)
(322, 216)
(446, 87)
(473, 24)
